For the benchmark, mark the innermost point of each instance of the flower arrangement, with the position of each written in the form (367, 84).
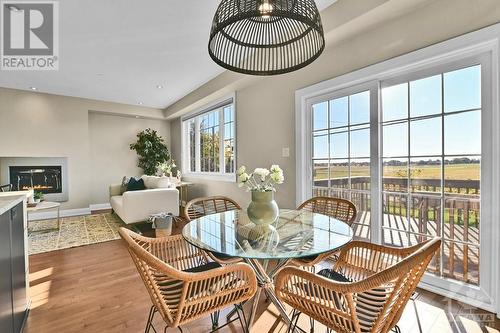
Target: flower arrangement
(166, 167)
(261, 179)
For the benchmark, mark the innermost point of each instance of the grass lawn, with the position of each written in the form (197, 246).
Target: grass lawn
(452, 171)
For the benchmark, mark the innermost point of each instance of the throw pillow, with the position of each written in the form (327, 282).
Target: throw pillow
(136, 185)
(163, 182)
(124, 185)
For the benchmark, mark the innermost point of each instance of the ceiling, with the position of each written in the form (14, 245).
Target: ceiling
(121, 53)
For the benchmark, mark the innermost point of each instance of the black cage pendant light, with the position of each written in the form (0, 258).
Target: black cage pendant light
(266, 37)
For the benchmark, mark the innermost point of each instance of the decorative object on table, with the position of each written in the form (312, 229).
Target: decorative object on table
(266, 37)
(151, 149)
(263, 209)
(37, 196)
(258, 237)
(179, 176)
(162, 223)
(165, 168)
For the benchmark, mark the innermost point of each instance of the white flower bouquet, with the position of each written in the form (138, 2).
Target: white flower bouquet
(261, 179)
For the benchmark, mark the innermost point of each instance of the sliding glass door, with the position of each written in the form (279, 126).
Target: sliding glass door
(408, 152)
(431, 155)
(341, 153)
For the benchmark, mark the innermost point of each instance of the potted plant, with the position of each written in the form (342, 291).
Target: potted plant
(37, 196)
(261, 183)
(151, 149)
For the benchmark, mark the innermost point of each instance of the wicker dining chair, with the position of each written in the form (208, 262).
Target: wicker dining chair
(183, 284)
(365, 291)
(200, 207)
(341, 209)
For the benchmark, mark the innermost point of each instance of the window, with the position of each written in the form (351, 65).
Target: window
(210, 141)
(412, 142)
(431, 152)
(341, 153)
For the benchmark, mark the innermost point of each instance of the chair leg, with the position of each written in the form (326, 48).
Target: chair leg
(242, 318)
(311, 323)
(293, 325)
(149, 323)
(396, 329)
(215, 319)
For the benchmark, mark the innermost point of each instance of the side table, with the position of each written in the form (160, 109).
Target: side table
(47, 205)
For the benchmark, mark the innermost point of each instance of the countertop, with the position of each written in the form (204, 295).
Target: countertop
(11, 199)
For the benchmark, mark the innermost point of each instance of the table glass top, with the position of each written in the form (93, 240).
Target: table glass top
(295, 234)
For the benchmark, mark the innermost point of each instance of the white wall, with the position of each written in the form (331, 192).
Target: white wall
(357, 37)
(110, 155)
(44, 125)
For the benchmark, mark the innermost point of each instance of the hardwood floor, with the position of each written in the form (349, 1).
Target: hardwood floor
(96, 289)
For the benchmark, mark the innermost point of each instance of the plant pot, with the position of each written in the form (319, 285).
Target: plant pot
(36, 200)
(263, 209)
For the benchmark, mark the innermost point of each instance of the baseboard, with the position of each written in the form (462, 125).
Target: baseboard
(68, 212)
(53, 214)
(102, 206)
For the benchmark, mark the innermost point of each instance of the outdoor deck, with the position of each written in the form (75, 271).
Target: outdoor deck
(460, 260)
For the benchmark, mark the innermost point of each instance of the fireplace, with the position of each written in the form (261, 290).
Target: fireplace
(45, 179)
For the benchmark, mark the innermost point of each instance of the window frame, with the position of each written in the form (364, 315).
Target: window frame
(483, 46)
(216, 105)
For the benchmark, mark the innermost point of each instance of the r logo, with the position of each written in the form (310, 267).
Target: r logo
(29, 29)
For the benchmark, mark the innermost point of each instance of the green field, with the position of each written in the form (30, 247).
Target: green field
(452, 171)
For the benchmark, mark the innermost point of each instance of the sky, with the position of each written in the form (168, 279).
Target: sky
(454, 95)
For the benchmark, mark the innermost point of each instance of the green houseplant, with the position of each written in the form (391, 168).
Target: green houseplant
(38, 196)
(151, 150)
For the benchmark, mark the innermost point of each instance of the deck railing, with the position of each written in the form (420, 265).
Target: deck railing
(408, 220)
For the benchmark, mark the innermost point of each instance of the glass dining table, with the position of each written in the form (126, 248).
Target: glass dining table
(295, 234)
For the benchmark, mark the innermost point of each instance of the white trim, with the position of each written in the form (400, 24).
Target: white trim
(210, 105)
(484, 41)
(101, 206)
(185, 157)
(53, 214)
(223, 177)
(458, 291)
(68, 212)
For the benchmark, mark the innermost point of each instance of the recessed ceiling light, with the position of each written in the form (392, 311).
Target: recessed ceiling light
(137, 117)
(159, 86)
(33, 88)
(140, 103)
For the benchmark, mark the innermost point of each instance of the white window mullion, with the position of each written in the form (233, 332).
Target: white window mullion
(222, 166)
(197, 144)
(376, 213)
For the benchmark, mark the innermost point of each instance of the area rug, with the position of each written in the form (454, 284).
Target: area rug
(75, 231)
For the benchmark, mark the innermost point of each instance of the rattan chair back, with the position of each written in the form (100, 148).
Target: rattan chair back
(383, 280)
(209, 205)
(340, 209)
(180, 296)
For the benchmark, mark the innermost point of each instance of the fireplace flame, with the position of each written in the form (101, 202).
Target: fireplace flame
(37, 187)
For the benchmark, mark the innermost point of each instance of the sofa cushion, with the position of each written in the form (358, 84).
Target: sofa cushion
(136, 185)
(152, 182)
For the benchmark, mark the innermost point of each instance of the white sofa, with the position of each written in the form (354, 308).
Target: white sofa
(137, 206)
